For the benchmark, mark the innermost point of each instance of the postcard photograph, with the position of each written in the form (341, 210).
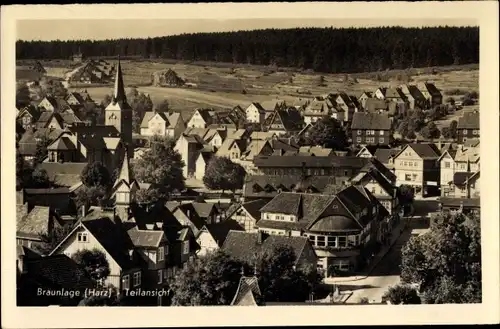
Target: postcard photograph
(250, 161)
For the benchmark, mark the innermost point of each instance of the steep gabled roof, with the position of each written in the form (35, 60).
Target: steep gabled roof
(220, 230)
(383, 155)
(423, 150)
(244, 246)
(40, 220)
(247, 293)
(126, 175)
(149, 115)
(146, 238)
(375, 121)
(57, 271)
(258, 107)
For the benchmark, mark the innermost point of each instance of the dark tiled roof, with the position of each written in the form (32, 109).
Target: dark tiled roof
(145, 238)
(26, 253)
(395, 93)
(290, 118)
(38, 191)
(383, 155)
(93, 136)
(58, 271)
(40, 220)
(259, 185)
(415, 92)
(375, 104)
(244, 246)
(423, 150)
(432, 89)
(64, 174)
(116, 241)
(334, 223)
(375, 164)
(219, 231)
(469, 121)
(311, 161)
(459, 178)
(253, 207)
(44, 119)
(365, 120)
(62, 144)
(32, 110)
(259, 107)
(204, 209)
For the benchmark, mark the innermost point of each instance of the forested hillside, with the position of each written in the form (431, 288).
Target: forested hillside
(320, 49)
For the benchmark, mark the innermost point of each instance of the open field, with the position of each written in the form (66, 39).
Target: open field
(224, 85)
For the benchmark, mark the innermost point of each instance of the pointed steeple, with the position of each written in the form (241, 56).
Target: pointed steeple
(119, 91)
(125, 174)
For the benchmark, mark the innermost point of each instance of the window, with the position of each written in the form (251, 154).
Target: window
(126, 282)
(410, 164)
(405, 163)
(381, 140)
(465, 139)
(374, 190)
(169, 273)
(346, 173)
(342, 241)
(185, 247)
(476, 132)
(312, 238)
(160, 276)
(82, 237)
(332, 241)
(415, 164)
(359, 132)
(414, 176)
(465, 131)
(407, 177)
(373, 132)
(446, 164)
(381, 133)
(161, 254)
(358, 139)
(137, 279)
(321, 242)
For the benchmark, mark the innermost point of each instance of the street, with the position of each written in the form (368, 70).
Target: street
(384, 275)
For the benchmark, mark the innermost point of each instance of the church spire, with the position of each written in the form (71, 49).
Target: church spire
(125, 174)
(119, 91)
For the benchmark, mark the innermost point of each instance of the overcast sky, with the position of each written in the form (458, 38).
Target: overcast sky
(101, 29)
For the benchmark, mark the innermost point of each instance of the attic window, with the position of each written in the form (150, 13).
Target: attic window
(269, 188)
(256, 188)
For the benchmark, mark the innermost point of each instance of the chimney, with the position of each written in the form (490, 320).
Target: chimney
(131, 254)
(84, 210)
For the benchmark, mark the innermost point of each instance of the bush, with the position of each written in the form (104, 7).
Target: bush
(454, 92)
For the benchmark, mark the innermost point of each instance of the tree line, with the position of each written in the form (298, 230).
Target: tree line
(320, 49)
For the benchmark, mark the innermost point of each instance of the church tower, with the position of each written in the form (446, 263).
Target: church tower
(124, 189)
(119, 113)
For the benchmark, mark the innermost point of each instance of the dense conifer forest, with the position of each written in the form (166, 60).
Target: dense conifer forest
(319, 49)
